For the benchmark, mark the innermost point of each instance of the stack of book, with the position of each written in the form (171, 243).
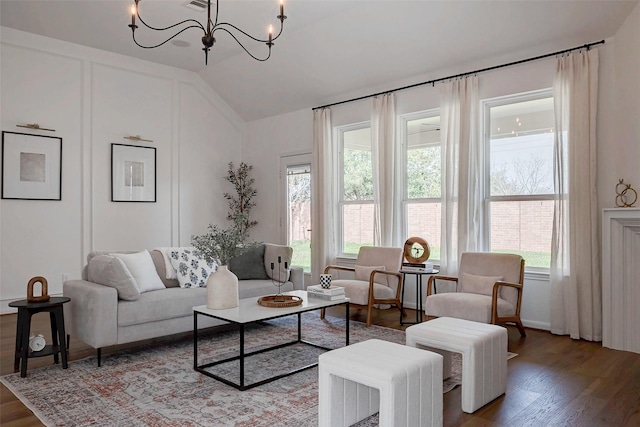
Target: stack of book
(330, 294)
(426, 267)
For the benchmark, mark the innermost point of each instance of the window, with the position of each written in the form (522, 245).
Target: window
(520, 158)
(356, 193)
(518, 190)
(423, 178)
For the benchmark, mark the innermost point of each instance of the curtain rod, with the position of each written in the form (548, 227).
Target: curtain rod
(433, 82)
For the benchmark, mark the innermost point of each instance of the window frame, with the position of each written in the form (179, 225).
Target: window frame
(340, 131)
(404, 138)
(486, 105)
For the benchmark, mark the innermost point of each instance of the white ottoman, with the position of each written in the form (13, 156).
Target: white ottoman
(404, 384)
(484, 355)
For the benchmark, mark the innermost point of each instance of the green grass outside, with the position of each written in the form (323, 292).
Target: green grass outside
(302, 254)
(531, 259)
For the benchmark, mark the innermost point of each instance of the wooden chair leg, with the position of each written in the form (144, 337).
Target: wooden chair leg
(401, 308)
(521, 328)
(369, 310)
(322, 313)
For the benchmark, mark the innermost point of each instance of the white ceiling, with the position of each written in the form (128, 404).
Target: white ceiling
(330, 48)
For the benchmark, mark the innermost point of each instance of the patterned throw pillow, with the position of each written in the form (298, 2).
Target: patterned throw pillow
(192, 269)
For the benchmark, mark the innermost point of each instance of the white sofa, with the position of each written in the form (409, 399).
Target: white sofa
(98, 316)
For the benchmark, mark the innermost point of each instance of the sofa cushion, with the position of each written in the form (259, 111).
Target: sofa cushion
(252, 288)
(271, 254)
(111, 271)
(141, 267)
(177, 302)
(249, 265)
(161, 305)
(169, 272)
(193, 270)
(161, 262)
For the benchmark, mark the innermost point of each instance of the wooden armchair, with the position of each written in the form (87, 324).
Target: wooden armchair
(488, 290)
(377, 279)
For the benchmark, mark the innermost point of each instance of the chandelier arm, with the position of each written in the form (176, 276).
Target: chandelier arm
(223, 25)
(215, 24)
(166, 41)
(199, 25)
(242, 46)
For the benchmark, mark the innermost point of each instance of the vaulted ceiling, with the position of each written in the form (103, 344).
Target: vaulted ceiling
(329, 48)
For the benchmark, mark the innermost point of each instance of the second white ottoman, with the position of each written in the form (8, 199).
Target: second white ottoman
(404, 384)
(484, 355)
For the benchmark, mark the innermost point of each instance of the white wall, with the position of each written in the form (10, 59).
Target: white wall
(618, 131)
(94, 98)
(266, 141)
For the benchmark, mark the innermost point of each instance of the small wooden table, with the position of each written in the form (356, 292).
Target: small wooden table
(26, 310)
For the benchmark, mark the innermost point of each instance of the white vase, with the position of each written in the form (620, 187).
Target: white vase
(222, 289)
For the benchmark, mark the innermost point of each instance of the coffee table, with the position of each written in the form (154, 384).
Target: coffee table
(248, 312)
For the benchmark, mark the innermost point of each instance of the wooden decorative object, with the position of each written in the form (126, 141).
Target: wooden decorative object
(44, 290)
(416, 250)
(279, 301)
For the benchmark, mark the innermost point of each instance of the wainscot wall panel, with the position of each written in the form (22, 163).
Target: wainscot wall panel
(94, 98)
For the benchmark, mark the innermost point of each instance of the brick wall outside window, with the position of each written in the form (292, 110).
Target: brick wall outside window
(521, 226)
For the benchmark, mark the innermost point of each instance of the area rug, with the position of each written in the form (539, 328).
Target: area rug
(157, 386)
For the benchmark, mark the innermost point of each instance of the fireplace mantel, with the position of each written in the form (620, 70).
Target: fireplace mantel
(621, 279)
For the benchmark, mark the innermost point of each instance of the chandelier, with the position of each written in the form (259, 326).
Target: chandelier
(208, 39)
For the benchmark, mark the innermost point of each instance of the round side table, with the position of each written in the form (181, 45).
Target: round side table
(26, 310)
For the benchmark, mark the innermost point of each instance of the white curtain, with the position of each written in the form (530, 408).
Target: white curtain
(462, 195)
(384, 157)
(576, 290)
(323, 195)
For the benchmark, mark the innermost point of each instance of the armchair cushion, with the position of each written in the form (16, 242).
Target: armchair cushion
(488, 264)
(468, 306)
(475, 284)
(358, 290)
(363, 272)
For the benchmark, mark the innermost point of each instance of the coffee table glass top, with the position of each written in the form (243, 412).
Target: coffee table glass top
(249, 310)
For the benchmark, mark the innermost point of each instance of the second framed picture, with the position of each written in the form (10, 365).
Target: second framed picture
(133, 173)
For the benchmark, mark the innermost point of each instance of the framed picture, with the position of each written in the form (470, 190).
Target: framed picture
(133, 173)
(31, 166)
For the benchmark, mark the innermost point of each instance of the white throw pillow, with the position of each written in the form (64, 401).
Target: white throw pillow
(141, 267)
(192, 269)
(363, 272)
(475, 284)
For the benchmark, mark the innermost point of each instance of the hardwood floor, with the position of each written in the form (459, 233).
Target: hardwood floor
(554, 381)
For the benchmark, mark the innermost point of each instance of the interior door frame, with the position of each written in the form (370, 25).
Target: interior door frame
(287, 160)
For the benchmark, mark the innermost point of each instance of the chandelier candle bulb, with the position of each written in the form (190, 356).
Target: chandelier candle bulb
(282, 8)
